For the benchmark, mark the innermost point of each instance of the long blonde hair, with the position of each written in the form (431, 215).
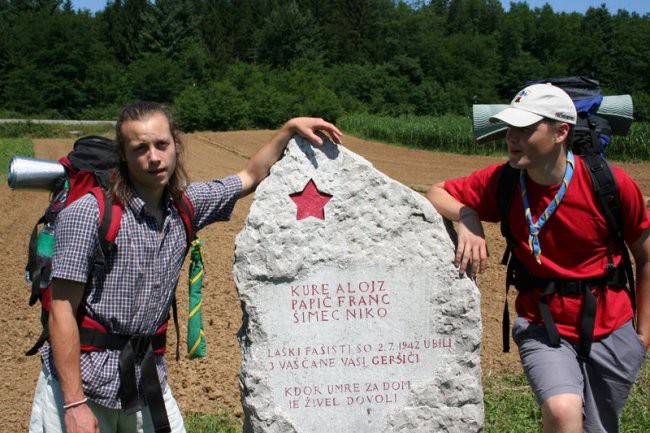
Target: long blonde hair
(122, 187)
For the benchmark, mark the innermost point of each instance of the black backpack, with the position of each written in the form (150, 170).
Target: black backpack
(592, 134)
(87, 166)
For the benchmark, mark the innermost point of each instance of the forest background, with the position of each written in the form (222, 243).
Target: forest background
(240, 64)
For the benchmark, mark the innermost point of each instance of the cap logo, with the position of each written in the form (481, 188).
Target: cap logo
(564, 116)
(521, 95)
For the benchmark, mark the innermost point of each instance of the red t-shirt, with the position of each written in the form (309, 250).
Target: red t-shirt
(573, 241)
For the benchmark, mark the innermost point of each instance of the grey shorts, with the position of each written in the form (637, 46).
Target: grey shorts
(604, 383)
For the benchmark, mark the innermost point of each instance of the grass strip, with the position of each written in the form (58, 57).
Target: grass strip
(510, 406)
(446, 133)
(454, 134)
(43, 130)
(221, 422)
(10, 147)
(636, 415)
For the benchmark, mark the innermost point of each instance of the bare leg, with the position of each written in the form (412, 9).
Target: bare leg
(562, 413)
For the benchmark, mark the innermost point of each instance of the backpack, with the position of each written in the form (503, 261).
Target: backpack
(89, 168)
(592, 134)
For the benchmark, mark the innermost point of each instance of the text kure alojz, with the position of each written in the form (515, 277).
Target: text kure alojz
(343, 301)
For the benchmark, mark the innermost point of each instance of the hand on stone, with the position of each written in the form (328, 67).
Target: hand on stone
(472, 249)
(308, 126)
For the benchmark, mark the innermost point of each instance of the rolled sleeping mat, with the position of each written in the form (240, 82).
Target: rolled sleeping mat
(484, 130)
(25, 172)
(617, 109)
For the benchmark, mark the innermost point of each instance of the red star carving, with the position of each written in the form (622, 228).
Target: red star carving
(310, 201)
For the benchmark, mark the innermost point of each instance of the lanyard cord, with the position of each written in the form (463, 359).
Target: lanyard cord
(535, 227)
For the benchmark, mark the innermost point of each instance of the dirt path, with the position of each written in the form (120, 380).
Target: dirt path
(210, 384)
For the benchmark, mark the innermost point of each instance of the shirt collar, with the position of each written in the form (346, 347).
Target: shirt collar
(137, 204)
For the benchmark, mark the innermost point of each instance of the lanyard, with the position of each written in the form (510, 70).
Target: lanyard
(535, 227)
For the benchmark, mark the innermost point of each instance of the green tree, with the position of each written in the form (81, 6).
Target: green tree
(630, 51)
(277, 58)
(197, 65)
(226, 106)
(270, 99)
(122, 22)
(355, 30)
(473, 16)
(107, 88)
(517, 64)
(228, 28)
(287, 36)
(48, 55)
(191, 109)
(169, 27)
(155, 77)
(594, 40)
(216, 32)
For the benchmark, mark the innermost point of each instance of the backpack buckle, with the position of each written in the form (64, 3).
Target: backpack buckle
(571, 287)
(140, 344)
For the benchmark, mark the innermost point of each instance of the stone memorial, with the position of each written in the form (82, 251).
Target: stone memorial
(355, 318)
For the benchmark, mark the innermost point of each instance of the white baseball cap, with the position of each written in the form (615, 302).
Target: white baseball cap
(537, 102)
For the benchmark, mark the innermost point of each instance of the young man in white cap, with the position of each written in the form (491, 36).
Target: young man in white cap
(560, 238)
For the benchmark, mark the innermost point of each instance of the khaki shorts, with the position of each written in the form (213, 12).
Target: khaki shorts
(603, 383)
(47, 412)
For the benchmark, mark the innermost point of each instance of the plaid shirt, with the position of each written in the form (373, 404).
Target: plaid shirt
(140, 276)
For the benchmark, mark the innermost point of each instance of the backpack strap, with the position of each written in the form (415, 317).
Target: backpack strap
(607, 195)
(94, 337)
(46, 296)
(506, 186)
(524, 281)
(32, 268)
(135, 350)
(110, 219)
(186, 211)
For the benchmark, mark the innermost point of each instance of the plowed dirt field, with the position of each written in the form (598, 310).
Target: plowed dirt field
(211, 384)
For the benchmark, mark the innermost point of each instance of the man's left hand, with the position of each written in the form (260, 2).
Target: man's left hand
(308, 126)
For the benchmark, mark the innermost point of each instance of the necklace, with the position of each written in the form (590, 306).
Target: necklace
(535, 227)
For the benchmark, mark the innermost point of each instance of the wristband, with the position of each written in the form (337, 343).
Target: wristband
(75, 404)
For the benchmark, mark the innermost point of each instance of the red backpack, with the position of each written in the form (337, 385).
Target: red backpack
(89, 168)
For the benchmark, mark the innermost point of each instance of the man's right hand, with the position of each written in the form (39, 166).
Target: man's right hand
(64, 340)
(471, 251)
(80, 419)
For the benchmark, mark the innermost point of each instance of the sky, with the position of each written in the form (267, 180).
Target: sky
(640, 6)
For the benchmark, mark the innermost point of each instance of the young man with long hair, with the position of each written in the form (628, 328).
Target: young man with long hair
(81, 391)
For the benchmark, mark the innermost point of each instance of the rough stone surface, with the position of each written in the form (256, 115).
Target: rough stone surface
(357, 322)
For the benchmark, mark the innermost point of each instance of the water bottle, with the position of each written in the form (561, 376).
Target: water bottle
(45, 241)
(44, 252)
